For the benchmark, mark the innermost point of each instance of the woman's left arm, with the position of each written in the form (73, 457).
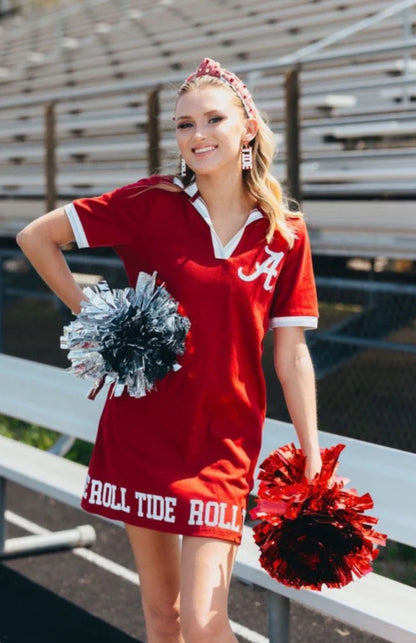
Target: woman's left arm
(294, 368)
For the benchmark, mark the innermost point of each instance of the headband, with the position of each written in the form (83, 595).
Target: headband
(209, 67)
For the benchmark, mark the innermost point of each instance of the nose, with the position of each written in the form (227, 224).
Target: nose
(199, 131)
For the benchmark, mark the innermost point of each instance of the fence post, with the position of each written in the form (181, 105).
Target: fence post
(153, 131)
(292, 134)
(50, 156)
(279, 626)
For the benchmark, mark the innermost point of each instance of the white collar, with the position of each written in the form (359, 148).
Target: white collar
(220, 251)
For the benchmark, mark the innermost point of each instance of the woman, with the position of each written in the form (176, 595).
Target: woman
(181, 459)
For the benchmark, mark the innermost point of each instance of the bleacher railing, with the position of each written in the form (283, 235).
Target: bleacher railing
(364, 350)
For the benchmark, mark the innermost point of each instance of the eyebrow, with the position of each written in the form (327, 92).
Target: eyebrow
(211, 111)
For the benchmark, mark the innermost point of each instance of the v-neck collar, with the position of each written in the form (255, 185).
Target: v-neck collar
(220, 251)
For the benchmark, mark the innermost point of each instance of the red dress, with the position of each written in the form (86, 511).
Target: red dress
(181, 459)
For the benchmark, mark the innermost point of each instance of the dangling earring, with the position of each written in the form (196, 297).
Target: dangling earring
(183, 167)
(247, 158)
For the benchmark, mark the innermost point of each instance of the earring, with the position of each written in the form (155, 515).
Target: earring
(247, 158)
(183, 167)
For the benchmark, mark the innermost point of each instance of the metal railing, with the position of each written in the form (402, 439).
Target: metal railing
(364, 350)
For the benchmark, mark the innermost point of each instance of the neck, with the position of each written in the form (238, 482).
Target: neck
(224, 194)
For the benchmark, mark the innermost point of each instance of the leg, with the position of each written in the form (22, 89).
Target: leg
(157, 557)
(206, 573)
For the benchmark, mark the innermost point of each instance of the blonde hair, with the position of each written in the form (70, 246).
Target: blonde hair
(260, 184)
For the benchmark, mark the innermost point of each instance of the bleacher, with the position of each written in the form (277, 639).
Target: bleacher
(358, 124)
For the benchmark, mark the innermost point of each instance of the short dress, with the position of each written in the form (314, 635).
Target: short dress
(181, 459)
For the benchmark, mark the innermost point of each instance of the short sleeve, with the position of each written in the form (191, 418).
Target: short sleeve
(295, 300)
(100, 221)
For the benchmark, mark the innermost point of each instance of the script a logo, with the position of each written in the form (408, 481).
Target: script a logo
(268, 268)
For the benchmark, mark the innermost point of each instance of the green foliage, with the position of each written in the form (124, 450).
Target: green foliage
(80, 452)
(41, 438)
(31, 434)
(397, 561)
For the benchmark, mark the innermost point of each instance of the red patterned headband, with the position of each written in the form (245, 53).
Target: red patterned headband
(209, 67)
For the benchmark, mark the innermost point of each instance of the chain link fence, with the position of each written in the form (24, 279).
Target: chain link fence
(364, 355)
(365, 359)
(364, 351)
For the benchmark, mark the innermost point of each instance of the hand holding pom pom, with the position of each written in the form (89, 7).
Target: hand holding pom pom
(312, 533)
(128, 337)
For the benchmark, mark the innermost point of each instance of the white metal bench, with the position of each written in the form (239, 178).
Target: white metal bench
(52, 398)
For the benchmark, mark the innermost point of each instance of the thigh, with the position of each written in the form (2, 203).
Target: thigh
(207, 565)
(157, 556)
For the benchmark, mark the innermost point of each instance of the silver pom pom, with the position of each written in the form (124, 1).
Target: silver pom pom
(127, 337)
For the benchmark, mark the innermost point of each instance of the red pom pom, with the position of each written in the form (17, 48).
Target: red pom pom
(312, 533)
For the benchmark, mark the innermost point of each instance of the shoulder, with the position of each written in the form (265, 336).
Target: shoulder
(297, 224)
(150, 186)
(298, 227)
(291, 234)
(154, 181)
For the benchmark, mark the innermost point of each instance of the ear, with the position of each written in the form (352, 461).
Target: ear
(251, 129)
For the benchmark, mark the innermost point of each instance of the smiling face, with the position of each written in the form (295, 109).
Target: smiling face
(211, 128)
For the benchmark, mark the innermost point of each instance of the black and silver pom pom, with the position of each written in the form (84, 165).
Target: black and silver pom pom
(128, 337)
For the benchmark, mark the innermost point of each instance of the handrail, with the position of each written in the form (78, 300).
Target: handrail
(173, 79)
(361, 25)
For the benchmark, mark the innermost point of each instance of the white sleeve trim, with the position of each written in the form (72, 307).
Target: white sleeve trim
(309, 323)
(78, 230)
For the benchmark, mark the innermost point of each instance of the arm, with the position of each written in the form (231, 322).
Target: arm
(295, 371)
(41, 241)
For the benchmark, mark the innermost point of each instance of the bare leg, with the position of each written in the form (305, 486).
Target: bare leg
(206, 573)
(157, 557)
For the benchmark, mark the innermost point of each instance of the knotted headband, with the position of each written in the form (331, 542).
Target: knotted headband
(209, 67)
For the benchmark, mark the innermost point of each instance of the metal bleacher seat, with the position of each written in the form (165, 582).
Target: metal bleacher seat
(400, 92)
(90, 44)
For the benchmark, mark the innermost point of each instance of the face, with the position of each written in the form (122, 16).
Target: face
(211, 130)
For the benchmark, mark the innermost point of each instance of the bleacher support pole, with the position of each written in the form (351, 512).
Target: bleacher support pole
(2, 513)
(279, 610)
(292, 135)
(153, 131)
(50, 156)
(2, 296)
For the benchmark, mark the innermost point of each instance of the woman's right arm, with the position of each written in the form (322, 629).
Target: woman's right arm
(42, 242)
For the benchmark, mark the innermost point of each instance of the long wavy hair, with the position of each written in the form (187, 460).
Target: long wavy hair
(261, 185)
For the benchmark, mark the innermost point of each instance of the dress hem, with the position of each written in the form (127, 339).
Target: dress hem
(204, 532)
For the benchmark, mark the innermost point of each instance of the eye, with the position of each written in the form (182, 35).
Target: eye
(216, 119)
(184, 125)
